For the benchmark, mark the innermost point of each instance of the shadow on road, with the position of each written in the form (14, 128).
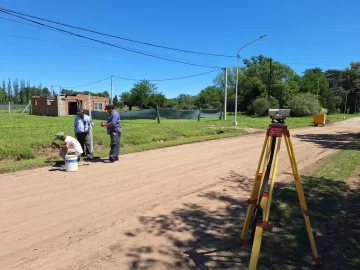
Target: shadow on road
(333, 141)
(214, 233)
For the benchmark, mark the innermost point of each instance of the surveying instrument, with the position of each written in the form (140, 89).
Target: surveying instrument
(260, 199)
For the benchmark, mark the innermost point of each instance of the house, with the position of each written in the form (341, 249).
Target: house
(61, 105)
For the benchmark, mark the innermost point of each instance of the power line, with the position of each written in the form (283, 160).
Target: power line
(82, 85)
(27, 24)
(118, 37)
(171, 79)
(109, 44)
(98, 48)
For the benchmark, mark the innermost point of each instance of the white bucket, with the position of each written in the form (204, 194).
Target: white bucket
(71, 163)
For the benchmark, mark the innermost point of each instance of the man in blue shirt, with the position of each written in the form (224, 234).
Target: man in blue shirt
(82, 125)
(113, 126)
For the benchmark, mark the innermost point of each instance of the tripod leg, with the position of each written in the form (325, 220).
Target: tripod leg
(265, 204)
(254, 192)
(301, 196)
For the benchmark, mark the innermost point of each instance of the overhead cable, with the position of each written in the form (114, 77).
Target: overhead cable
(109, 44)
(118, 37)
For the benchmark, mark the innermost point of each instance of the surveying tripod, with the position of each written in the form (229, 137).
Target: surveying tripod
(262, 191)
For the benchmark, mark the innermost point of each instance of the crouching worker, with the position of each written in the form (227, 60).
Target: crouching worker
(71, 146)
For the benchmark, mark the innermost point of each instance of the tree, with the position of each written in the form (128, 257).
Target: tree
(3, 96)
(184, 101)
(126, 99)
(141, 92)
(210, 97)
(116, 101)
(16, 90)
(45, 92)
(9, 91)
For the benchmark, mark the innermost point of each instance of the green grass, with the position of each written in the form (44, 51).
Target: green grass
(26, 140)
(334, 214)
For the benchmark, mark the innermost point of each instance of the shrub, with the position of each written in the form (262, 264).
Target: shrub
(303, 104)
(261, 104)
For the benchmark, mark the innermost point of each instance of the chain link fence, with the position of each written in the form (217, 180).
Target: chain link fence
(15, 108)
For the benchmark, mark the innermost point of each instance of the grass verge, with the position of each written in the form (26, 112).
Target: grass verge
(25, 142)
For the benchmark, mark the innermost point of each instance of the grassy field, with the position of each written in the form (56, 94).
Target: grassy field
(25, 140)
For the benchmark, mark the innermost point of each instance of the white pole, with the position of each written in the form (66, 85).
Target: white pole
(9, 106)
(236, 91)
(225, 92)
(111, 85)
(90, 128)
(237, 75)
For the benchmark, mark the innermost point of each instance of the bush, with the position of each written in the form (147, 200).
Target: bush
(261, 104)
(304, 104)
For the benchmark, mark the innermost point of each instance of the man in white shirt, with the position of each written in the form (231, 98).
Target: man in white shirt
(71, 146)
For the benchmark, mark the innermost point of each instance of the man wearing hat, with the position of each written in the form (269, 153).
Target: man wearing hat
(70, 147)
(82, 125)
(113, 126)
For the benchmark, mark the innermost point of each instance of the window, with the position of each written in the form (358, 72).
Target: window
(98, 106)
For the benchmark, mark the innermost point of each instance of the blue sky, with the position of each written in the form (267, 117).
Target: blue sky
(302, 34)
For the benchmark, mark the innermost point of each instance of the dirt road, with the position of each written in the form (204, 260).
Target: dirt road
(150, 210)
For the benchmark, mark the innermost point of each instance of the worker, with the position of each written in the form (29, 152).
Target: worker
(113, 126)
(70, 147)
(82, 126)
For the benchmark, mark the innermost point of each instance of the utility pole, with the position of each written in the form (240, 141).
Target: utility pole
(225, 92)
(111, 88)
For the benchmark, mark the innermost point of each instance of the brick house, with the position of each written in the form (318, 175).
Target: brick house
(61, 105)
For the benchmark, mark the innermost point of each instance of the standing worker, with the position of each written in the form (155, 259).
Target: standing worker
(82, 125)
(113, 126)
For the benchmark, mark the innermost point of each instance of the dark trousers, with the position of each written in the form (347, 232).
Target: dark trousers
(114, 145)
(84, 141)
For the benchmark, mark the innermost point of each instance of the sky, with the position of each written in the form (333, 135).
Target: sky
(302, 34)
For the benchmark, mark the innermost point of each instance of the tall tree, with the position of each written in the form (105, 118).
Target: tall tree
(16, 91)
(9, 91)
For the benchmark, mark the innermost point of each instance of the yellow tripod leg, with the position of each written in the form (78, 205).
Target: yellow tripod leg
(301, 196)
(265, 204)
(255, 190)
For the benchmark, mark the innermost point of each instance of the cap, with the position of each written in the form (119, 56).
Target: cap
(109, 106)
(80, 110)
(59, 135)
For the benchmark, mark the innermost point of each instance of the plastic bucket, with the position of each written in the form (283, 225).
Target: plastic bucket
(71, 163)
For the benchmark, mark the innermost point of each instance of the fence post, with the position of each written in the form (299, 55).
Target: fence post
(199, 115)
(157, 114)
(25, 108)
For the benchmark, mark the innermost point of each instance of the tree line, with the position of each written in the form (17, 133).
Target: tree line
(20, 91)
(262, 83)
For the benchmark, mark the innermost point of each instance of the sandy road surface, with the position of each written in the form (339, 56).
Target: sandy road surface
(148, 211)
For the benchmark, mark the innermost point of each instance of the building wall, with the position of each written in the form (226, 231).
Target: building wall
(59, 105)
(44, 106)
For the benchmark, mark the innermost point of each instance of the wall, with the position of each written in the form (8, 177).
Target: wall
(44, 106)
(59, 105)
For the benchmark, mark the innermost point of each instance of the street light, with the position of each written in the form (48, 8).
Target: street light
(317, 94)
(237, 75)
